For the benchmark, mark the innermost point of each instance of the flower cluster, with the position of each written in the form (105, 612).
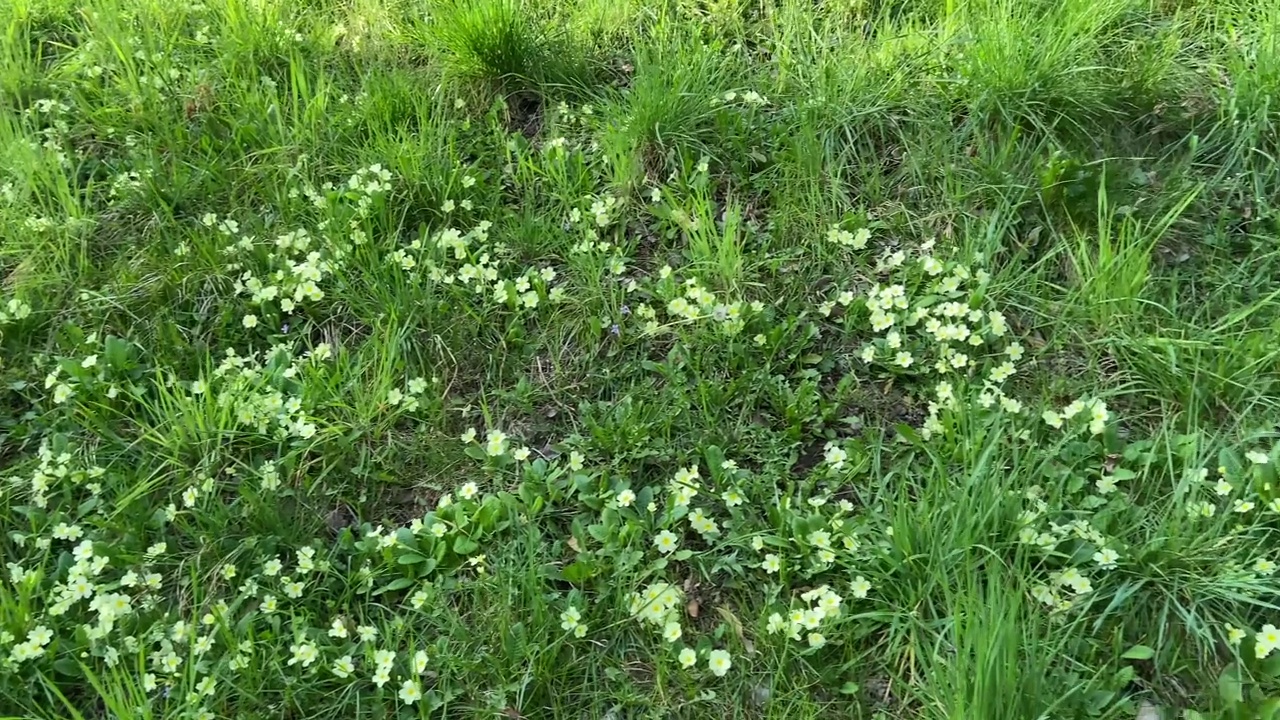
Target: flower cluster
(856, 239)
(658, 605)
(14, 310)
(823, 605)
(1241, 490)
(1266, 641)
(933, 320)
(262, 390)
(409, 398)
(691, 301)
(1095, 409)
(749, 98)
(454, 258)
(571, 621)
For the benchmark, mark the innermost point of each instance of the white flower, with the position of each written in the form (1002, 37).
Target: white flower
(835, 456)
(496, 443)
(410, 693)
(860, 587)
(1106, 558)
(303, 654)
(666, 542)
(570, 618)
(343, 667)
(719, 662)
(771, 563)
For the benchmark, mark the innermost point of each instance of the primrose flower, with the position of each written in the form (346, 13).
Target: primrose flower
(860, 587)
(570, 618)
(343, 667)
(688, 657)
(303, 654)
(1106, 558)
(1234, 634)
(775, 624)
(666, 542)
(410, 693)
(835, 456)
(719, 662)
(1266, 641)
(496, 443)
(771, 563)
(671, 632)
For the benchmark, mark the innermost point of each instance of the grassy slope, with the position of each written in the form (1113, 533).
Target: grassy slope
(1110, 163)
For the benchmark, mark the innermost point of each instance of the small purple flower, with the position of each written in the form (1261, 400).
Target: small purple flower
(615, 330)
(626, 310)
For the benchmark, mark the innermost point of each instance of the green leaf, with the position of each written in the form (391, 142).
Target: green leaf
(67, 666)
(410, 558)
(1230, 687)
(88, 506)
(715, 459)
(397, 584)
(527, 494)
(578, 571)
(116, 352)
(427, 567)
(683, 554)
(908, 433)
(1271, 666)
(1139, 652)
(849, 688)
(463, 545)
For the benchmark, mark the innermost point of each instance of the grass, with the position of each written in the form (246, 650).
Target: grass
(508, 358)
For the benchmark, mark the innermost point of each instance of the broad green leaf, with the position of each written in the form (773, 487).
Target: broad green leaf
(1139, 652)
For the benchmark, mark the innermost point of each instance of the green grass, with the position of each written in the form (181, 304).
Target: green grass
(400, 333)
